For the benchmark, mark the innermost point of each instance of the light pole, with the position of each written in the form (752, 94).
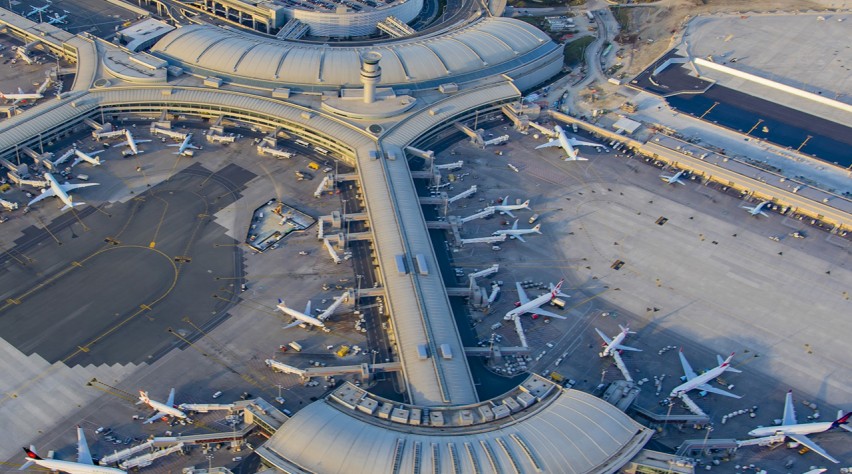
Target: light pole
(358, 293)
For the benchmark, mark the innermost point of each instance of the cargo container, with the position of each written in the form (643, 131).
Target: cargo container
(296, 346)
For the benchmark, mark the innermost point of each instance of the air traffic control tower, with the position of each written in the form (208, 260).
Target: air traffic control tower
(341, 99)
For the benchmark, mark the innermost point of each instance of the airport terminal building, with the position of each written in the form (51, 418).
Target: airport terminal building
(365, 105)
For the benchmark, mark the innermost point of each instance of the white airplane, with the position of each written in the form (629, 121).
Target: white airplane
(299, 316)
(52, 20)
(163, 409)
(132, 143)
(333, 307)
(87, 157)
(526, 305)
(792, 429)
(567, 144)
(64, 157)
(44, 85)
(60, 191)
(37, 10)
(186, 144)
(516, 233)
(21, 96)
(613, 345)
(695, 381)
(675, 178)
(84, 464)
(757, 209)
(508, 208)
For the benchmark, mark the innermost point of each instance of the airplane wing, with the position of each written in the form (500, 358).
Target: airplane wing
(603, 336)
(789, 411)
(627, 348)
(515, 225)
(522, 295)
(717, 391)
(124, 143)
(76, 162)
(575, 142)
(68, 187)
(154, 418)
(84, 456)
(551, 143)
(48, 192)
(141, 141)
(171, 401)
(546, 313)
(805, 441)
(687, 369)
(308, 308)
(508, 213)
(520, 238)
(293, 324)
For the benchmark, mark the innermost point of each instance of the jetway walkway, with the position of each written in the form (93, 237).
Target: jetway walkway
(692, 446)
(677, 418)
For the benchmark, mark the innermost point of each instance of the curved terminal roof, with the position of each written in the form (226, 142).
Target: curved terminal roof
(567, 432)
(486, 42)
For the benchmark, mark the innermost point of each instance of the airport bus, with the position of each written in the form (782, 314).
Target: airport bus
(321, 151)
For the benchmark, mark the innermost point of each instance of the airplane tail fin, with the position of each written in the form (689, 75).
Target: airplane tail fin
(31, 453)
(526, 204)
(626, 329)
(537, 229)
(143, 397)
(727, 363)
(842, 421)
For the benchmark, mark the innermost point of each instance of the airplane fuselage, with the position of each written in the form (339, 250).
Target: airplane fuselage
(163, 408)
(699, 380)
(131, 142)
(57, 189)
(610, 348)
(565, 143)
(530, 306)
(514, 232)
(21, 96)
(798, 429)
(301, 316)
(87, 158)
(74, 467)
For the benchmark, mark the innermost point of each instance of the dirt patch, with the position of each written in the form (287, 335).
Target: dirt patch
(653, 27)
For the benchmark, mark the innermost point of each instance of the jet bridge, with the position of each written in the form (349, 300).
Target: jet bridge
(450, 166)
(463, 194)
(484, 240)
(488, 211)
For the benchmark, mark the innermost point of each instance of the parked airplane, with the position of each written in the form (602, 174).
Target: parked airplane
(515, 233)
(299, 316)
(84, 464)
(37, 10)
(60, 191)
(695, 381)
(21, 96)
(674, 178)
(132, 143)
(52, 20)
(798, 432)
(64, 157)
(614, 344)
(757, 209)
(163, 409)
(87, 157)
(526, 305)
(567, 144)
(508, 208)
(185, 145)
